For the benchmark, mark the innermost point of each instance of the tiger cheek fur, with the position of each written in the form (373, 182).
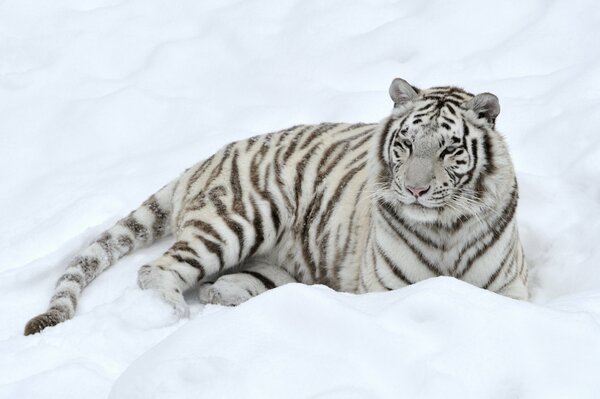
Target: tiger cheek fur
(429, 191)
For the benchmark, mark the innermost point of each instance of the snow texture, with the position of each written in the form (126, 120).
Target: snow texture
(104, 101)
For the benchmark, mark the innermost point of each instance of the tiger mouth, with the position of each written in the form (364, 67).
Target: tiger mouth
(417, 205)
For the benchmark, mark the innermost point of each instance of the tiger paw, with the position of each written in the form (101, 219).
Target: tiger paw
(175, 299)
(160, 280)
(222, 293)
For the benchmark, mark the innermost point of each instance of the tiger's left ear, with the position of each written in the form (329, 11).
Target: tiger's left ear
(485, 105)
(402, 92)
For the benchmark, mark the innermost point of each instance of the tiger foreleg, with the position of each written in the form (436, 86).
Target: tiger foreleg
(177, 270)
(517, 289)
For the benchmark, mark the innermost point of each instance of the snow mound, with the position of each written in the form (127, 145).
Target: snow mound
(438, 338)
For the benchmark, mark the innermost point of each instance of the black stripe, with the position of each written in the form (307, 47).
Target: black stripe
(88, 265)
(217, 169)
(451, 109)
(357, 158)
(214, 248)
(140, 232)
(334, 199)
(300, 166)
(345, 250)
(264, 280)
(426, 107)
(65, 294)
(185, 247)
(265, 193)
(362, 281)
(285, 133)
(175, 272)
(392, 214)
(449, 120)
(258, 228)
(355, 126)
(384, 140)
(509, 254)
(236, 187)
(497, 228)
(428, 264)
(64, 311)
(281, 188)
(322, 277)
(105, 243)
(362, 141)
(374, 262)
(508, 282)
(392, 266)
(75, 278)
(250, 142)
(320, 129)
(323, 169)
(294, 142)
(465, 128)
(234, 226)
(470, 173)
(304, 233)
(160, 217)
(443, 100)
(197, 173)
(204, 228)
(190, 261)
(489, 167)
(125, 242)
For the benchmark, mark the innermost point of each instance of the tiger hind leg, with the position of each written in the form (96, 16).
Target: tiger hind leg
(256, 277)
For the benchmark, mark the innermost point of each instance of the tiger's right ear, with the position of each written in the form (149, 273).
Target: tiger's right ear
(401, 92)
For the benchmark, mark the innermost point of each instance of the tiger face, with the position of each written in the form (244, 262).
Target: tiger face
(438, 149)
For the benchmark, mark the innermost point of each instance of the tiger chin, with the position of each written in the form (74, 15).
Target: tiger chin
(429, 191)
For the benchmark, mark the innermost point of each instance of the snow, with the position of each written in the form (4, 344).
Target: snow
(439, 338)
(104, 101)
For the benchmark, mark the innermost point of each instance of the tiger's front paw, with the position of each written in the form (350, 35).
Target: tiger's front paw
(177, 301)
(150, 277)
(160, 280)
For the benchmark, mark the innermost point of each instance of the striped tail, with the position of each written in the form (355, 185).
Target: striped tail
(143, 226)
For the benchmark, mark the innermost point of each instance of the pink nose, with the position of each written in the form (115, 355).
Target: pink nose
(417, 191)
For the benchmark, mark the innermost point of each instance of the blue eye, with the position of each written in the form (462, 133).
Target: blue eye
(449, 150)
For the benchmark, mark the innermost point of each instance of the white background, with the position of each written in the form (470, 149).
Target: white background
(102, 102)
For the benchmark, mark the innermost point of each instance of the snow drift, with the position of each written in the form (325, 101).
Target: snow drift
(438, 338)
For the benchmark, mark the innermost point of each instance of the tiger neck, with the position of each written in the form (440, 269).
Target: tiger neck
(445, 232)
(436, 245)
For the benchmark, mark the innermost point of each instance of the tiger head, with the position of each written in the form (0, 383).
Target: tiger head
(439, 153)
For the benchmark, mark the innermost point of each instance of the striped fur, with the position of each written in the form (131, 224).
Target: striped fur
(329, 204)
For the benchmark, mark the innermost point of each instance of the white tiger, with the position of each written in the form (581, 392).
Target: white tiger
(428, 191)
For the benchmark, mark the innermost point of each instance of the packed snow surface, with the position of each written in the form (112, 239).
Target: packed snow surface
(104, 101)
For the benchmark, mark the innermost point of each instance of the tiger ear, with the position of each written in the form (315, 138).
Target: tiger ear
(401, 92)
(485, 105)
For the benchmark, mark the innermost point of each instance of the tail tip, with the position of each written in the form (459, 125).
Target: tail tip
(38, 323)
